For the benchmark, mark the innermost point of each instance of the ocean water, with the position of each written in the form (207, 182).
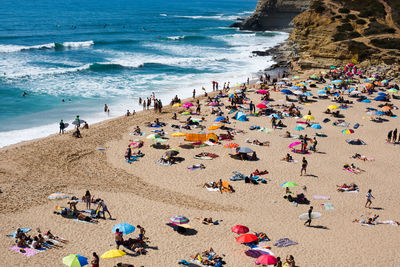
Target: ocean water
(94, 52)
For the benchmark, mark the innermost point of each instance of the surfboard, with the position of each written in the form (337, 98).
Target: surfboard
(314, 215)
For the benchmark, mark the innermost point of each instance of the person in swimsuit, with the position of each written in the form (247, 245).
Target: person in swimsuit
(141, 232)
(304, 164)
(96, 261)
(369, 197)
(87, 199)
(118, 238)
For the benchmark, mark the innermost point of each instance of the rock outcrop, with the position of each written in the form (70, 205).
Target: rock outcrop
(273, 15)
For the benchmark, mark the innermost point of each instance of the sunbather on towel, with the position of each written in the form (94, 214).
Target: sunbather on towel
(257, 172)
(256, 142)
(54, 237)
(345, 187)
(85, 218)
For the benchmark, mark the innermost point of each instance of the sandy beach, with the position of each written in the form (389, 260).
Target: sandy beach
(149, 194)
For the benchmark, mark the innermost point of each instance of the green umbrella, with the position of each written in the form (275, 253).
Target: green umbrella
(75, 260)
(288, 184)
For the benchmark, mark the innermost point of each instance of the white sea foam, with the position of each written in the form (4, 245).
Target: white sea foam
(18, 48)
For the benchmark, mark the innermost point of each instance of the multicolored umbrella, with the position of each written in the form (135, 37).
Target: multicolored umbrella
(75, 260)
(267, 259)
(58, 195)
(246, 238)
(125, 228)
(231, 145)
(187, 105)
(294, 144)
(348, 131)
(289, 184)
(178, 220)
(393, 91)
(114, 253)
(240, 229)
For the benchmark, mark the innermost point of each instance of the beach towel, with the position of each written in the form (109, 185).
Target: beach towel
(355, 142)
(328, 206)
(284, 242)
(387, 222)
(28, 252)
(321, 197)
(212, 189)
(159, 162)
(352, 191)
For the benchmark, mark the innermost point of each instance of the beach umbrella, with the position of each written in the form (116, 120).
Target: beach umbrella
(348, 131)
(298, 92)
(379, 112)
(296, 77)
(177, 105)
(355, 92)
(244, 149)
(314, 215)
(178, 220)
(382, 94)
(298, 128)
(261, 105)
(308, 117)
(386, 108)
(392, 90)
(213, 104)
(380, 98)
(287, 92)
(125, 228)
(314, 77)
(294, 144)
(231, 145)
(295, 87)
(333, 107)
(215, 127)
(187, 105)
(332, 67)
(240, 229)
(366, 101)
(186, 113)
(75, 260)
(263, 92)
(152, 136)
(316, 126)
(114, 253)
(58, 195)
(321, 92)
(327, 87)
(337, 81)
(267, 259)
(246, 238)
(221, 118)
(289, 184)
(178, 134)
(307, 94)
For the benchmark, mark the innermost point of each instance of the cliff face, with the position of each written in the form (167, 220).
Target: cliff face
(332, 32)
(273, 15)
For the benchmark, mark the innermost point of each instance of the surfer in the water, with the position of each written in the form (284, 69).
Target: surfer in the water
(24, 94)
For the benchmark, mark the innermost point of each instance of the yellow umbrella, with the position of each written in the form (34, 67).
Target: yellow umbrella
(114, 253)
(308, 117)
(215, 127)
(333, 107)
(177, 105)
(178, 134)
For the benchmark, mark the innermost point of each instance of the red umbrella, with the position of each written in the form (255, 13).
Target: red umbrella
(261, 105)
(246, 238)
(267, 259)
(240, 229)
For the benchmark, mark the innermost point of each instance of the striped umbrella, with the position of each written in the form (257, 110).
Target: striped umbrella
(231, 145)
(179, 220)
(348, 131)
(58, 195)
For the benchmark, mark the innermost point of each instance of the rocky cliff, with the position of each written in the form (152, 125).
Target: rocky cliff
(334, 31)
(273, 15)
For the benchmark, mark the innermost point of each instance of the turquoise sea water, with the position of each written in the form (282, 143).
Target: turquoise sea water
(97, 52)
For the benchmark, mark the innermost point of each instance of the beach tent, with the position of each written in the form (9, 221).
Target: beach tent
(212, 136)
(240, 116)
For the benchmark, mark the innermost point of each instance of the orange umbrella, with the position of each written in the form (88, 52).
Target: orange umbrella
(246, 238)
(386, 108)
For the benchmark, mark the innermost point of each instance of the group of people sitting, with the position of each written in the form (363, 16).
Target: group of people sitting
(37, 242)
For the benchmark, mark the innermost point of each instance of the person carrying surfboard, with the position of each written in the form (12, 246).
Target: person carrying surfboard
(62, 127)
(309, 216)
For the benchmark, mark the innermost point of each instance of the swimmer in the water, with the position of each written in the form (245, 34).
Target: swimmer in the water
(24, 94)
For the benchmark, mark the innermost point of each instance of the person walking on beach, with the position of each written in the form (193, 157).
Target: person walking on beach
(304, 165)
(62, 127)
(309, 216)
(369, 196)
(118, 238)
(96, 261)
(78, 121)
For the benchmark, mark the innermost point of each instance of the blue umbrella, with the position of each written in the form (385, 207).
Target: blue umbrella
(379, 113)
(125, 228)
(380, 98)
(299, 128)
(307, 94)
(244, 150)
(219, 119)
(336, 94)
(380, 93)
(321, 92)
(287, 92)
(337, 81)
(316, 126)
(366, 101)
(274, 115)
(295, 87)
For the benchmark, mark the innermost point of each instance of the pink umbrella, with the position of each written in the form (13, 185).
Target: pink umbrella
(187, 105)
(263, 92)
(294, 144)
(213, 104)
(266, 260)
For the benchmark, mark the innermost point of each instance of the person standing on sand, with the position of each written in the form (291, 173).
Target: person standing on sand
(194, 93)
(304, 165)
(144, 105)
(309, 216)
(389, 136)
(118, 238)
(88, 198)
(394, 135)
(104, 208)
(369, 196)
(251, 106)
(62, 127)
(96, 261)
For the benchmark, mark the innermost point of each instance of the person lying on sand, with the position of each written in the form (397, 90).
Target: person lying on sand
(361, 157)
(345, 187)
(261, 236)
(212, 185)
(49, 235)
(85, 218)
(208, 221)
(370, 221)
(257, 172)
(257, 142)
